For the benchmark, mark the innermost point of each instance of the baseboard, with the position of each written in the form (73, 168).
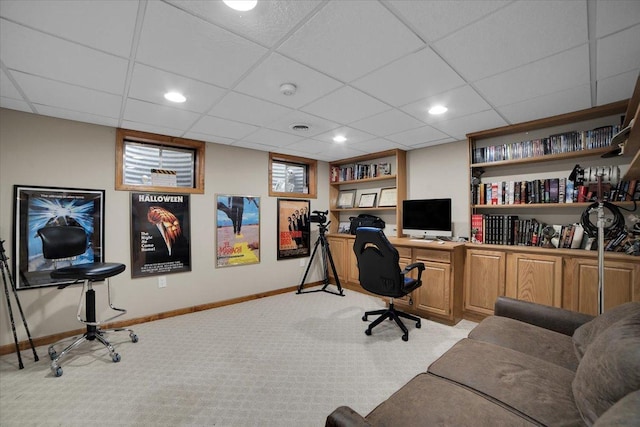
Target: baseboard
(50, 339)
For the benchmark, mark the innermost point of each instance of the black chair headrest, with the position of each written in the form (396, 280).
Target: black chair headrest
(63, 241)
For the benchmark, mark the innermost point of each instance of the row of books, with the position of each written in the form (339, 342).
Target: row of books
(357, 171)
(550, 190)
(510, 230)
(554, 144)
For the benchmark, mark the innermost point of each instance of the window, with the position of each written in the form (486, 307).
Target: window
(146, 161)
(291, 176)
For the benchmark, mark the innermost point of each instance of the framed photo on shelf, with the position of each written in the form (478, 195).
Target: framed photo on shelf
(346, 199)
(367, 200)
(344, 227)
(388, 196)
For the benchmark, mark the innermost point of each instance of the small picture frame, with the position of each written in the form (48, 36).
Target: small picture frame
(346, 199)
(388, 197)
(367, 200)
(344, 227)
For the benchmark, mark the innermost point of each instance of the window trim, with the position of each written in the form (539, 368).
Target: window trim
(160, 140)
(312, 166)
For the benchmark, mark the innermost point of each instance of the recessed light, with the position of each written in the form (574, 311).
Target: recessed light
(339, 138)
(174, 97)
(241, 5)
(438, 109)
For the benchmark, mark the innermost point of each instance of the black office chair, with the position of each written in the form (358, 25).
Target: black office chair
(66, 242)
(379, 273)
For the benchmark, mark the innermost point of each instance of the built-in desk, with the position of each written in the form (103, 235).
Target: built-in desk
(440, 296)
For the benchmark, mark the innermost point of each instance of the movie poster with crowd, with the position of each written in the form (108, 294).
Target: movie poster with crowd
(161, 234)
(294, 230)
(237, 230)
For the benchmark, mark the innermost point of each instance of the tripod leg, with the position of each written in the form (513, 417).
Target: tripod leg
(304, 278)
(333, 268)
(13, 325)
(24, 320)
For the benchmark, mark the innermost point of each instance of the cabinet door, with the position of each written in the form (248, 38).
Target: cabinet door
(434, 296)
(535, 278)
(621, 284)
(338, 253)
(484, 280)
(353, 271)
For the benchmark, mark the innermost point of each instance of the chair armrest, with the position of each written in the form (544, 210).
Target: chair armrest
(544, 316)
(345, 416)
(418, 265)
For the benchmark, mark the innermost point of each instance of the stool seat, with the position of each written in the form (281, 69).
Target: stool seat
(94, 271)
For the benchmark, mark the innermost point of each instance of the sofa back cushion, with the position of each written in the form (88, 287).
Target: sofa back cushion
(609, 369)
(585, 334)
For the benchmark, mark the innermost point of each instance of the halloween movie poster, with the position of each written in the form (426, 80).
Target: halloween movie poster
(294, 229)
(161, 234)
(237, 230)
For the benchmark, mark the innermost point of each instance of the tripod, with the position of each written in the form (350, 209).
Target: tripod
(4, 265)
(326, 254)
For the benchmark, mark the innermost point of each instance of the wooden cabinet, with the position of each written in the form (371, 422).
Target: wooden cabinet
(368, 175)
(485, 272)
(535, 278)
(339, 254)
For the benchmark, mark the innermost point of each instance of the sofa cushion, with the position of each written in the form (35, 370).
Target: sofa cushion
(542, 343)
(528, 385)
(625, 413)
(585, 334)
(609, 369)
(427, 400)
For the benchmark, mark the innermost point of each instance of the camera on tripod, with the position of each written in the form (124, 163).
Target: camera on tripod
(319, 217)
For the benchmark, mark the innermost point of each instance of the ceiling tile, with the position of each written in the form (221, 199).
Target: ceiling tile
(104, 25)
(378, 144)
(63, 95)
(339, 151)
(619, 53)
(388, 122)
(243, 108)
(461, 126)
(7, 88)
(266, 24)
(616, 15)
(310, 146)
(435, 19)
(209, 138)
(153, 114)
(460, 102)
(253, 146)
(78, 116)
(316, 124)
(417, 136)
(616, 88)
(150, 84)
(410, 78)
(57, 59)
(15, 104)
(433, 143)
(146, 127)
(215, 126)
(344, 39)
(265, 81)
(192, 47)
(574, 99)
(515, 35)
(346, 105)
(272, 137)
(352, 135)
(548, 75)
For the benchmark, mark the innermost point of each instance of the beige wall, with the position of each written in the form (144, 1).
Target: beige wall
(43, 151)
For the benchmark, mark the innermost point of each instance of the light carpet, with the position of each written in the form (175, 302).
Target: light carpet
(285, 360)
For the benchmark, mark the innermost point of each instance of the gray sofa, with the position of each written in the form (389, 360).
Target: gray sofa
(527, 365)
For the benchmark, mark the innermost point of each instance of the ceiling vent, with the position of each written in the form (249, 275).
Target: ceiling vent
(299, 127)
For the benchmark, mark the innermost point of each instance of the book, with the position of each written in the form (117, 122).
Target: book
(477, 222)
(578, 234)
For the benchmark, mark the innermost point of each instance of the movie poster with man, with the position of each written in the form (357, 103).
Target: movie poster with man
(294, 229)
(237, 230)
(161, 234)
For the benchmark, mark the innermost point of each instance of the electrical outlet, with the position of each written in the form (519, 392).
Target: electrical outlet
(162, 281)
(302, 261)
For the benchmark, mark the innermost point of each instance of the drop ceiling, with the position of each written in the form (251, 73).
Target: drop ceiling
(368, 70)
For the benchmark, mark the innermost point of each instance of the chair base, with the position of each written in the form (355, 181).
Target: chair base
(392, 314)
(92, 334)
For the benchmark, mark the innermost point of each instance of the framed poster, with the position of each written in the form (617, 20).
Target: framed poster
(388, 197)
(237, 230)
(160, 234)
(37, 207)
(294, 228)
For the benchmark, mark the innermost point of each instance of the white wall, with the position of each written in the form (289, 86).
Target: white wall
(44, 151)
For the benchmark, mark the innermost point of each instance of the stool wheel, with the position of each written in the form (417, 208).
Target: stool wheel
(115, 358)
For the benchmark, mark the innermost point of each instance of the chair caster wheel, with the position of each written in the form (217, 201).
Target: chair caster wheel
(368, 332)
(405, 337)
(57, 371)
(115, 358)
(134, 337)
(418, 325)
(364, 318)
(52, 355)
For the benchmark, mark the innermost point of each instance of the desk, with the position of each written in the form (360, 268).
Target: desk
(440, 296)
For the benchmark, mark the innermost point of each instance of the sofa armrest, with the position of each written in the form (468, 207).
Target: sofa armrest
(345, 416)
(544, 316)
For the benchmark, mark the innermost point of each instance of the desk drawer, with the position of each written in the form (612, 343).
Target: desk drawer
(432, 255)
(404, 252)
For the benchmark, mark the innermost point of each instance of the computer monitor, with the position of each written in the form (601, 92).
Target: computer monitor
(427, 218)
